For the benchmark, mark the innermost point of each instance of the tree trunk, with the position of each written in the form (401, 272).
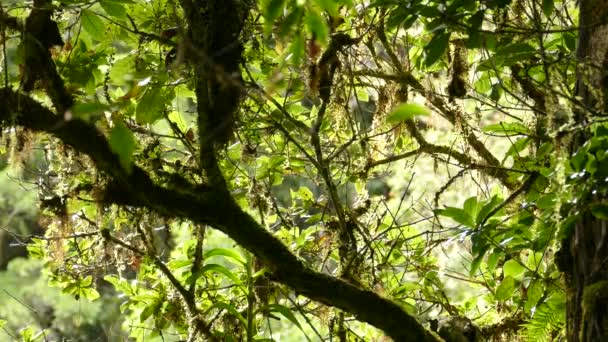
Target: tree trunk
(586, 249)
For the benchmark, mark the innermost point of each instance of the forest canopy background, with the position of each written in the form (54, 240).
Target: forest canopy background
(319, 169)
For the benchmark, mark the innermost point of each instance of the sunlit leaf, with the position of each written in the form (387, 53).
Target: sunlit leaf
(114, 9)
(507, 129)
(505, 289)
(458, 215)
(220, 269)
(225, 252)
(92, 24)
(407, 111)
(514, 269)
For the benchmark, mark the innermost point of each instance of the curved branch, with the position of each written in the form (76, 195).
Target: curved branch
(214, 207)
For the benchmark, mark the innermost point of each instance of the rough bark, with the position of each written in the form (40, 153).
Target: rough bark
(586, 249)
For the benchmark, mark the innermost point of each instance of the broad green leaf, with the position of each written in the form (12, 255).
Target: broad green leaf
(225, 252)
(505, 289)
(512, 268)
(114, 9)
(518, 146)
(600, 210)
(316, 25)
(120, 284)
(149, 108)
(149, 310)
(457, 215)
(436, 47)
(86, 111)
(471, 206)
(298, 48)
(89, 293)
(569, 40)
(493, 259)
(272, 11)
(123, 144)
(476, 263)
(405, 287)
(93, 24)
(407, 111)
(331, 6)
(535, 260)
(487, 208)
(293, 18)
(534, 294)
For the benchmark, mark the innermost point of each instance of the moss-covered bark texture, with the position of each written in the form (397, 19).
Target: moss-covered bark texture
(587, 248)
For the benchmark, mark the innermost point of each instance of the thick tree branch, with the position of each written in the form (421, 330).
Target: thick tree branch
(217, 209)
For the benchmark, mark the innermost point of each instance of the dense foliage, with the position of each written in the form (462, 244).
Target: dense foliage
(316, 169)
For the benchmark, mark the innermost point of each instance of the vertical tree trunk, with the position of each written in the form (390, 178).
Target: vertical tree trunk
(586, 249)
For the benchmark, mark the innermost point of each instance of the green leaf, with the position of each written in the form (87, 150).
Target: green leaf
(149, 107)
(272, 11)
(317, 26)
(512, 268)
(487, 208)
(569, 40)
(228, 253)
(221, 269)
(548, 6)
(507, 129)
(89, 293)
(436, 47)
(93, 24)
(600, 210)
(120, 284)
(457, 215)
(330, 6)
(293, 18)
(535, 293)
(230, 308)
(298, 49)
(178, 264)
(505, 289)
(86, 111)
(285, 311)
(471, 206)
(493, 259)
(407, 111)
(406, 287)
(114, 9)
(476, 262)
(123, 144)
